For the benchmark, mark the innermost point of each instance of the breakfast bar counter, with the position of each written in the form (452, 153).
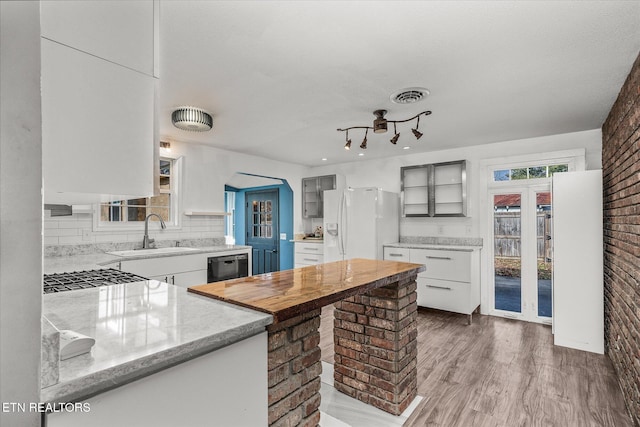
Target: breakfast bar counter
(374, 332)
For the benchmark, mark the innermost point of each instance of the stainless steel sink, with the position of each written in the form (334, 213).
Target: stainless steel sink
(140, 252)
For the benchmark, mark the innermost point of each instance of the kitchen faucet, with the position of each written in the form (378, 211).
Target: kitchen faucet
(146, 241)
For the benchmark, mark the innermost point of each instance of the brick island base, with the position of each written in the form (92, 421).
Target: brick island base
(375, 355)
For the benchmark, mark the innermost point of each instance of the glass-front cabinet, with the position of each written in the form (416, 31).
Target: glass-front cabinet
(433, 190)
(312, 196)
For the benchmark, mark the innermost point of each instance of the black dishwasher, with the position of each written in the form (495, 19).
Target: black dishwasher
(227, 267)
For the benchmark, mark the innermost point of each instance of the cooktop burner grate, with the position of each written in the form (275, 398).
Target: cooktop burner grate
(61, 282)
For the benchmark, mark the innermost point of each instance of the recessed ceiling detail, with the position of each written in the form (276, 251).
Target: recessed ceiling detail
(409, 95)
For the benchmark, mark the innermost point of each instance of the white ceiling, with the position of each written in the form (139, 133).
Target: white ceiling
(279, 77)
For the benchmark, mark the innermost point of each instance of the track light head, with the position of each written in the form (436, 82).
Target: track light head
(417, 133)
(394, 140)
(364, 141)
(347, 146)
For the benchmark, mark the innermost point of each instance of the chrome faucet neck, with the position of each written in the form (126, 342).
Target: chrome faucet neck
(146, 241)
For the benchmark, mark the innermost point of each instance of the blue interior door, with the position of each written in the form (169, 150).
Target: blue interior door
(262, 230)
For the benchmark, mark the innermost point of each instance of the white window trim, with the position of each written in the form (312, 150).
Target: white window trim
(575, 159)
(176, 201)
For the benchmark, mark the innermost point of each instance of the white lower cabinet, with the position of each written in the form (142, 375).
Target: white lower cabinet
(227, 387)
(308, 254)
(181, 270)
(451, 280)
(184, 280)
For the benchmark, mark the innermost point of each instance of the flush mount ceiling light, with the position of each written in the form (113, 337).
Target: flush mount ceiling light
(380, 125)
(192, 118)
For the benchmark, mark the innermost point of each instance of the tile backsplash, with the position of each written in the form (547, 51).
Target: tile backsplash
(77, 229)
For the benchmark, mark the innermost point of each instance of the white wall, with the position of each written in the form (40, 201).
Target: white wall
(21, 209)
(385, 173)
(207, 169)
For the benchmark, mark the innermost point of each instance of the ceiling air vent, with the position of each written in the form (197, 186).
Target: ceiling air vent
(409, 95)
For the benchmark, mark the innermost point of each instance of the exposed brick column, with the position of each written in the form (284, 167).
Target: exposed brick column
(294, 371)
(621, 190)
(376, 348)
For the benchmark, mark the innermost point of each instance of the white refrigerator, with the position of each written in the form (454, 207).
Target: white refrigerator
(578, 287)
(358, 221)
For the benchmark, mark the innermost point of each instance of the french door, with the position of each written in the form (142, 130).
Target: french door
(522, 252)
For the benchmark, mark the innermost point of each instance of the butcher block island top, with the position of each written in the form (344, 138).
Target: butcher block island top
(289, 293)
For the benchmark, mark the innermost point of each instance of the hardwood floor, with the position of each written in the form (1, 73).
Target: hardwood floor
(502, 372)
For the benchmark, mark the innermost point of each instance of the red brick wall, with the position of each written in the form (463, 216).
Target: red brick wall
(621, 176)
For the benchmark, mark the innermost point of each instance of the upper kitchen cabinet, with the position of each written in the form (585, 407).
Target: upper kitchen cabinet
(99, 121)
(125, 33)
(450, 188)
(434, 190)
(312, 194)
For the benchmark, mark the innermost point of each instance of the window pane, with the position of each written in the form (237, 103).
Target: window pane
(163, 212)
(165, 183)
(269, 205)
(136, 213)
(558, 168)
(501, 175)
(162, 200)
(507, 264)
(255, 206)
(520, 173)
(165, 167)
(137, 202)
(538, 172)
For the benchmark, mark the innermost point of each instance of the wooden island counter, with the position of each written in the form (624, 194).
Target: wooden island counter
(374, 332)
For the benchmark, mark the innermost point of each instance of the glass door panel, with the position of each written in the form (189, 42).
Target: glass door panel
(507, 230)
(544, 252)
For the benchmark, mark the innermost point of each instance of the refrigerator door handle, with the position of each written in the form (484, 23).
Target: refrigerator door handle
(342, 224)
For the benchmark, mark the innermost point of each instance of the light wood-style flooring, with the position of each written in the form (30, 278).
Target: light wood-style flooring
(502, 372)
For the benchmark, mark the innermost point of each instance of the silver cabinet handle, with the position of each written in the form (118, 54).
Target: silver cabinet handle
(311, 249)
(310, 259)
(173, 280)
(439, 287)
(439, 257)
(395, 254)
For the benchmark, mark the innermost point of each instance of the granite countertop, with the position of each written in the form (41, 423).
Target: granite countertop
(97, 260)
(288, 293)
(140, 328)
(435, 246)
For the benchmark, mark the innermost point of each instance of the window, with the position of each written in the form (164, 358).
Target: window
(136, 210)
(532, 172)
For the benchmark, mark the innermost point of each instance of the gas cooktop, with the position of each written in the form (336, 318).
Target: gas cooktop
(61, 282)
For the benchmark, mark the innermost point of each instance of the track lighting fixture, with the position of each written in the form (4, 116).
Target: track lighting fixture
(364, 141)
(347, 146)
(380, 125)
(415, 131)
(396, 135)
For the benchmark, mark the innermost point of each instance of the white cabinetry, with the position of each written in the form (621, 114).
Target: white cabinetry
(578, 296)
(438, 189)
(308, 254)
(120, 32)
(451, 280)
(226, 387)
(99, 126)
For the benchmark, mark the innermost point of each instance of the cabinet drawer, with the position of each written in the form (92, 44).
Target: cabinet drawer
(444, 295)
(396, 254)
(309, 259)
(309, 248)
(444, 265)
